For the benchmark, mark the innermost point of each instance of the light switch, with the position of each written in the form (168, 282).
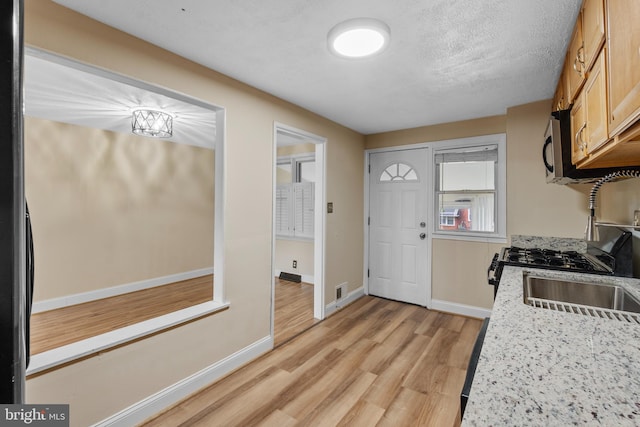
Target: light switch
(330, 207)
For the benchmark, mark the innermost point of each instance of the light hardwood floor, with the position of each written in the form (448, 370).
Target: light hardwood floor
(374, 363)
(293, 309)
(55, 328)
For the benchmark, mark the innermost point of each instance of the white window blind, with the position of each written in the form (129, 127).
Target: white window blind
(284, 203)
(295, 209)
(303, 208)
(467, 183)
(295, 197)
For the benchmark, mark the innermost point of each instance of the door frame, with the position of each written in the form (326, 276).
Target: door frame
(320, 218)
(429, 207)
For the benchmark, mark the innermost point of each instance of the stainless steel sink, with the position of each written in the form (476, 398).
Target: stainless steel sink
(594, 299)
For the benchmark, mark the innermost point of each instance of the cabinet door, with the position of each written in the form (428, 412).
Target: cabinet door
(560, 99)
(578, 126)
(595, 108)
(574, 65)
(592, 30)
(623, 43)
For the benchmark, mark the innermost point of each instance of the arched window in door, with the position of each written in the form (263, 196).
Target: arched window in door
(398, 172)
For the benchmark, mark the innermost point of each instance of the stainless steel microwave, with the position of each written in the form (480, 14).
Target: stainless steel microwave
(556, 154)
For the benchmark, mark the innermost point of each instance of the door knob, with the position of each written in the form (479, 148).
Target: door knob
(422, 236)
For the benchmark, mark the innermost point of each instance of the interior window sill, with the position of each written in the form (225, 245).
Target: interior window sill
(469, 237)
(294, 238)
(63, 355)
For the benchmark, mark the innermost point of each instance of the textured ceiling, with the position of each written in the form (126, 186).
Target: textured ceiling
(448, 60)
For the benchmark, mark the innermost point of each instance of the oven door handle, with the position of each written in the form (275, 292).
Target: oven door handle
(491, 278)
(544, 154)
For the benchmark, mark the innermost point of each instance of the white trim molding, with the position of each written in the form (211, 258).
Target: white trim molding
(93, 345)
(334, 306)
(54, 303)
(156, 403)
(462, 309)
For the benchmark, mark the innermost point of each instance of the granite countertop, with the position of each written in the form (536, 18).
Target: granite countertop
(541, 367)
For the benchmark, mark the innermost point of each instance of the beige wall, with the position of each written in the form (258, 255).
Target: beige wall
(533, 206)
(291, 150)
(110, 209)
(440, 132)
(288, 250)
(107, 383)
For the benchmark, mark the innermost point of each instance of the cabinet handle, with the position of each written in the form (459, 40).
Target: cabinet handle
(578, 138)
(579, 60)
(580, 54)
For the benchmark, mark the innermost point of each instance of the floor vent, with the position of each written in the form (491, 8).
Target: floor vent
(291, 277)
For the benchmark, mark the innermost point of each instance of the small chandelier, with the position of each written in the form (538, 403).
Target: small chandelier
(152, 123)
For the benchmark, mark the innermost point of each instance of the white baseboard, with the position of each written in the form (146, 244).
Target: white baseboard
(54, 303)
(306, 278)
(462, 309)
(334, 306)
(171, 395)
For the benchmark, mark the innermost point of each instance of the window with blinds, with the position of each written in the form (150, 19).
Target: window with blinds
(466, 189)
(295, 200)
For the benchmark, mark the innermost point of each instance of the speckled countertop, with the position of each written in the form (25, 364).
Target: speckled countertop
(545, 368)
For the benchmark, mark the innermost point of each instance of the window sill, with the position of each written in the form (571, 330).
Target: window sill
(469, 237)
(296, 239)
(66, 354)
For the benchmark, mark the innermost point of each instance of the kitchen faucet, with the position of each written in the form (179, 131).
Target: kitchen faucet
(591, 233)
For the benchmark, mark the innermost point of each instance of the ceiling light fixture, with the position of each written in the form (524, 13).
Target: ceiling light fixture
(154, 123)
(358, 38)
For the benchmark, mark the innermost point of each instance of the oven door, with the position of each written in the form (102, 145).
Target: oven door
(549, 156)
(471, 369)
(493, 273)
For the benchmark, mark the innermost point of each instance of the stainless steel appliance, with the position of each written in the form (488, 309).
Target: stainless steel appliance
(611, 255)
(13, 247)
(549, 259)
(556, 153)
(473, 364)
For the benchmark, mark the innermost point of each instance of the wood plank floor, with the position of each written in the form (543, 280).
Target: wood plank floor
(293, 309)
(374, 363)
(55, 328)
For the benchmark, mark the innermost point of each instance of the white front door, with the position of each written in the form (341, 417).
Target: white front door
(398, 243)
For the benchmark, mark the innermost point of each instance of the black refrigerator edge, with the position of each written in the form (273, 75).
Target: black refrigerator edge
(13, 245)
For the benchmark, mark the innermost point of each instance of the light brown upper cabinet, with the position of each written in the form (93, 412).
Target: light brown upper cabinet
(595, 106)
(574, 68)
(623, 42)
(560, 101)
(605, 125)
(592, 30)
(578, 128)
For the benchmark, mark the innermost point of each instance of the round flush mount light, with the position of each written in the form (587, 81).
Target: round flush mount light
(358, 38)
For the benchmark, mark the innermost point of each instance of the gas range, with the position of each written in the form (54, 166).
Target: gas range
(549, 259)
(554, 259)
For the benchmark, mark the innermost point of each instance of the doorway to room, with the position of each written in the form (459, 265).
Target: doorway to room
(298, 232)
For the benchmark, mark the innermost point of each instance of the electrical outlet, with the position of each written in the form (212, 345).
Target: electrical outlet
(295, 264)
(338, 293)
(341, 291)
(636, 218)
